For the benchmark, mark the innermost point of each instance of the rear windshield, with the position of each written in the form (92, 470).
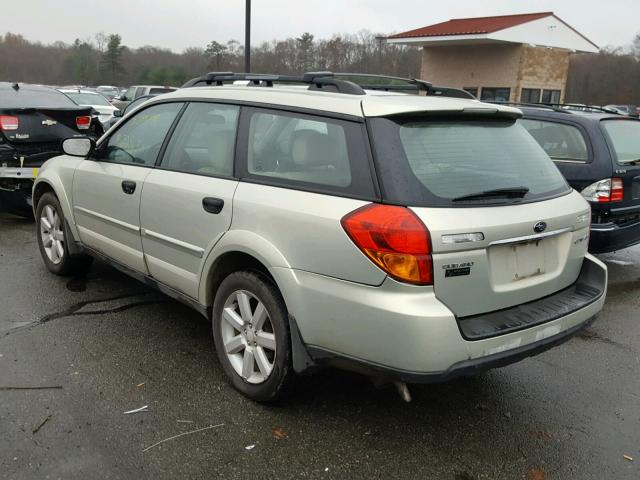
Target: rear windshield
(433, 162)
(88, 99)
(158, 91)
(624, 136)
(34, 98)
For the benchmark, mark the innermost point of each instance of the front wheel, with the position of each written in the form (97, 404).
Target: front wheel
(52, 240)
(251, 335)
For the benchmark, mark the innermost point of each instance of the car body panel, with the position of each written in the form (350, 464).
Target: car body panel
(176, 230)
(108, 219)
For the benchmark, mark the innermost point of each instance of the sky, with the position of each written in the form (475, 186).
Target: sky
(178, 24)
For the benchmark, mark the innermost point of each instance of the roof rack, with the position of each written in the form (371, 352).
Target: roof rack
(399, 84)
(349, 83)
(315, 80)
(558, 107)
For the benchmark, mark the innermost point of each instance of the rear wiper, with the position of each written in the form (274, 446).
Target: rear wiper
(509, 192)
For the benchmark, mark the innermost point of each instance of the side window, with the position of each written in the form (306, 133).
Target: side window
(301, 148)
(130, 93)
(560, 141)
(204, 140)
(138, 141)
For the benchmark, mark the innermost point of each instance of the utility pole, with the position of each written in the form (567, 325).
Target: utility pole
(247, 37)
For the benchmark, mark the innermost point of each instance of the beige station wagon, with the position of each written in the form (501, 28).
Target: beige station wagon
(414, 238)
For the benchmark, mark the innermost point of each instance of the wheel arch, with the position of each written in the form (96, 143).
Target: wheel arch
(238, 250)
(50, 183)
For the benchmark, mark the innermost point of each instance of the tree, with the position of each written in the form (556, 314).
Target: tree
(215, 51)
(305, 52)
(112, 58)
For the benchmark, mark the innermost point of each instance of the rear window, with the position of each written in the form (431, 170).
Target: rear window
(624, 136)
(158, 91)
(433, 162)
(34, 98)
(560, 141)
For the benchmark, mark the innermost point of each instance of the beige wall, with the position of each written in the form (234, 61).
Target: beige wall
(544, 68)
(513, 66)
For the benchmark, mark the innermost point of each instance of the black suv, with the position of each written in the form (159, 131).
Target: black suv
(598, 152)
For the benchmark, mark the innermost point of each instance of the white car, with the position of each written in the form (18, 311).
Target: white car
(88, 98)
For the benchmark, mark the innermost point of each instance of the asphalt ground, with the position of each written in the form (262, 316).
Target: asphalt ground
(104, 344)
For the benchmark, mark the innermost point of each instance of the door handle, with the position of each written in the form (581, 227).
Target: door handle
(212, 205)
(128, 187)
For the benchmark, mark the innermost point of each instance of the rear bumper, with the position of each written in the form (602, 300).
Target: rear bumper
(396, 331)
(610, 236)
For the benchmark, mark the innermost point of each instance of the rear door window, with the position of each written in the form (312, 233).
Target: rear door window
(624, 136)
(435, 162)
(204, 140)
(561, 141)
(308, 152)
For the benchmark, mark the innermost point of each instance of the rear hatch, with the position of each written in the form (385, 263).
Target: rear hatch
(505, 227)
(623, 139)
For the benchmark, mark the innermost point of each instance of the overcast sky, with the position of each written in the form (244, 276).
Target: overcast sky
(177, 24)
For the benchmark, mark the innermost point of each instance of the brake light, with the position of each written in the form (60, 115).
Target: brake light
(83, 122)
(394, 239)
(9, 122)
(605, 191)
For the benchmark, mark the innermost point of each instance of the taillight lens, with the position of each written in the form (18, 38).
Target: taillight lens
(395, 240)
(605, 191)
(9, 122)
(83, 122)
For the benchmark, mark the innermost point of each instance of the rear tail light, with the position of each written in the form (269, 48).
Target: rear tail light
(605, 191)
(83, 122)
(394, 239)
(9, 122)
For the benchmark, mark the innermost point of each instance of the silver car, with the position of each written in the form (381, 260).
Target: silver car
(411, 238)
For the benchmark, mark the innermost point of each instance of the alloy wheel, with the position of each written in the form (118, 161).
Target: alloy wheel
(51, 234)
(248, 337)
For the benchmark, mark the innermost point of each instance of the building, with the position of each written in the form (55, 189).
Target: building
(506, 58)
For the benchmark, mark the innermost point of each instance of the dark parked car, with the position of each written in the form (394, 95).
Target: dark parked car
(630, 110)
(598, 152)
(33, 122)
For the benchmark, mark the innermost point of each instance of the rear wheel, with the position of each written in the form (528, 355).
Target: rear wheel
(54, 248)
(251, 334)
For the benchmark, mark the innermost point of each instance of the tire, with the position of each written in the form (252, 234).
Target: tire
(263, 332)
(52, 239)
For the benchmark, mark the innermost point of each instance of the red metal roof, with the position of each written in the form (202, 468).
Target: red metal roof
(472, 26)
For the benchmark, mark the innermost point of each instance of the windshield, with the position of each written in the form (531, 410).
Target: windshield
(88, 99)
(34, 98)
(624, 136)
(438, 162)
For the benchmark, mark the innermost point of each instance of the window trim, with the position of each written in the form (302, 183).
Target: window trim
(581, 129)
(363, 179)
(111, 132)
(158, 164)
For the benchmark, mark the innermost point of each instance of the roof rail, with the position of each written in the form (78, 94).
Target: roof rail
(399, 84)
(315, 80)
(349, 83)
(559, 107)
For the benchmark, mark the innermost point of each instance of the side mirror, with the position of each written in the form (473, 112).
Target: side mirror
(123, 97)
(117, 113)
(78, 147)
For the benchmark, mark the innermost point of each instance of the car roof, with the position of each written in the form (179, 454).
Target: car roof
(562, 113)
(370, 105)
(23, 86)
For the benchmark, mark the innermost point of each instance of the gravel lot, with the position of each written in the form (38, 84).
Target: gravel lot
(109, 344)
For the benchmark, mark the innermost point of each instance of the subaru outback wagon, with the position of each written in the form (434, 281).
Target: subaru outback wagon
(411, 238)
